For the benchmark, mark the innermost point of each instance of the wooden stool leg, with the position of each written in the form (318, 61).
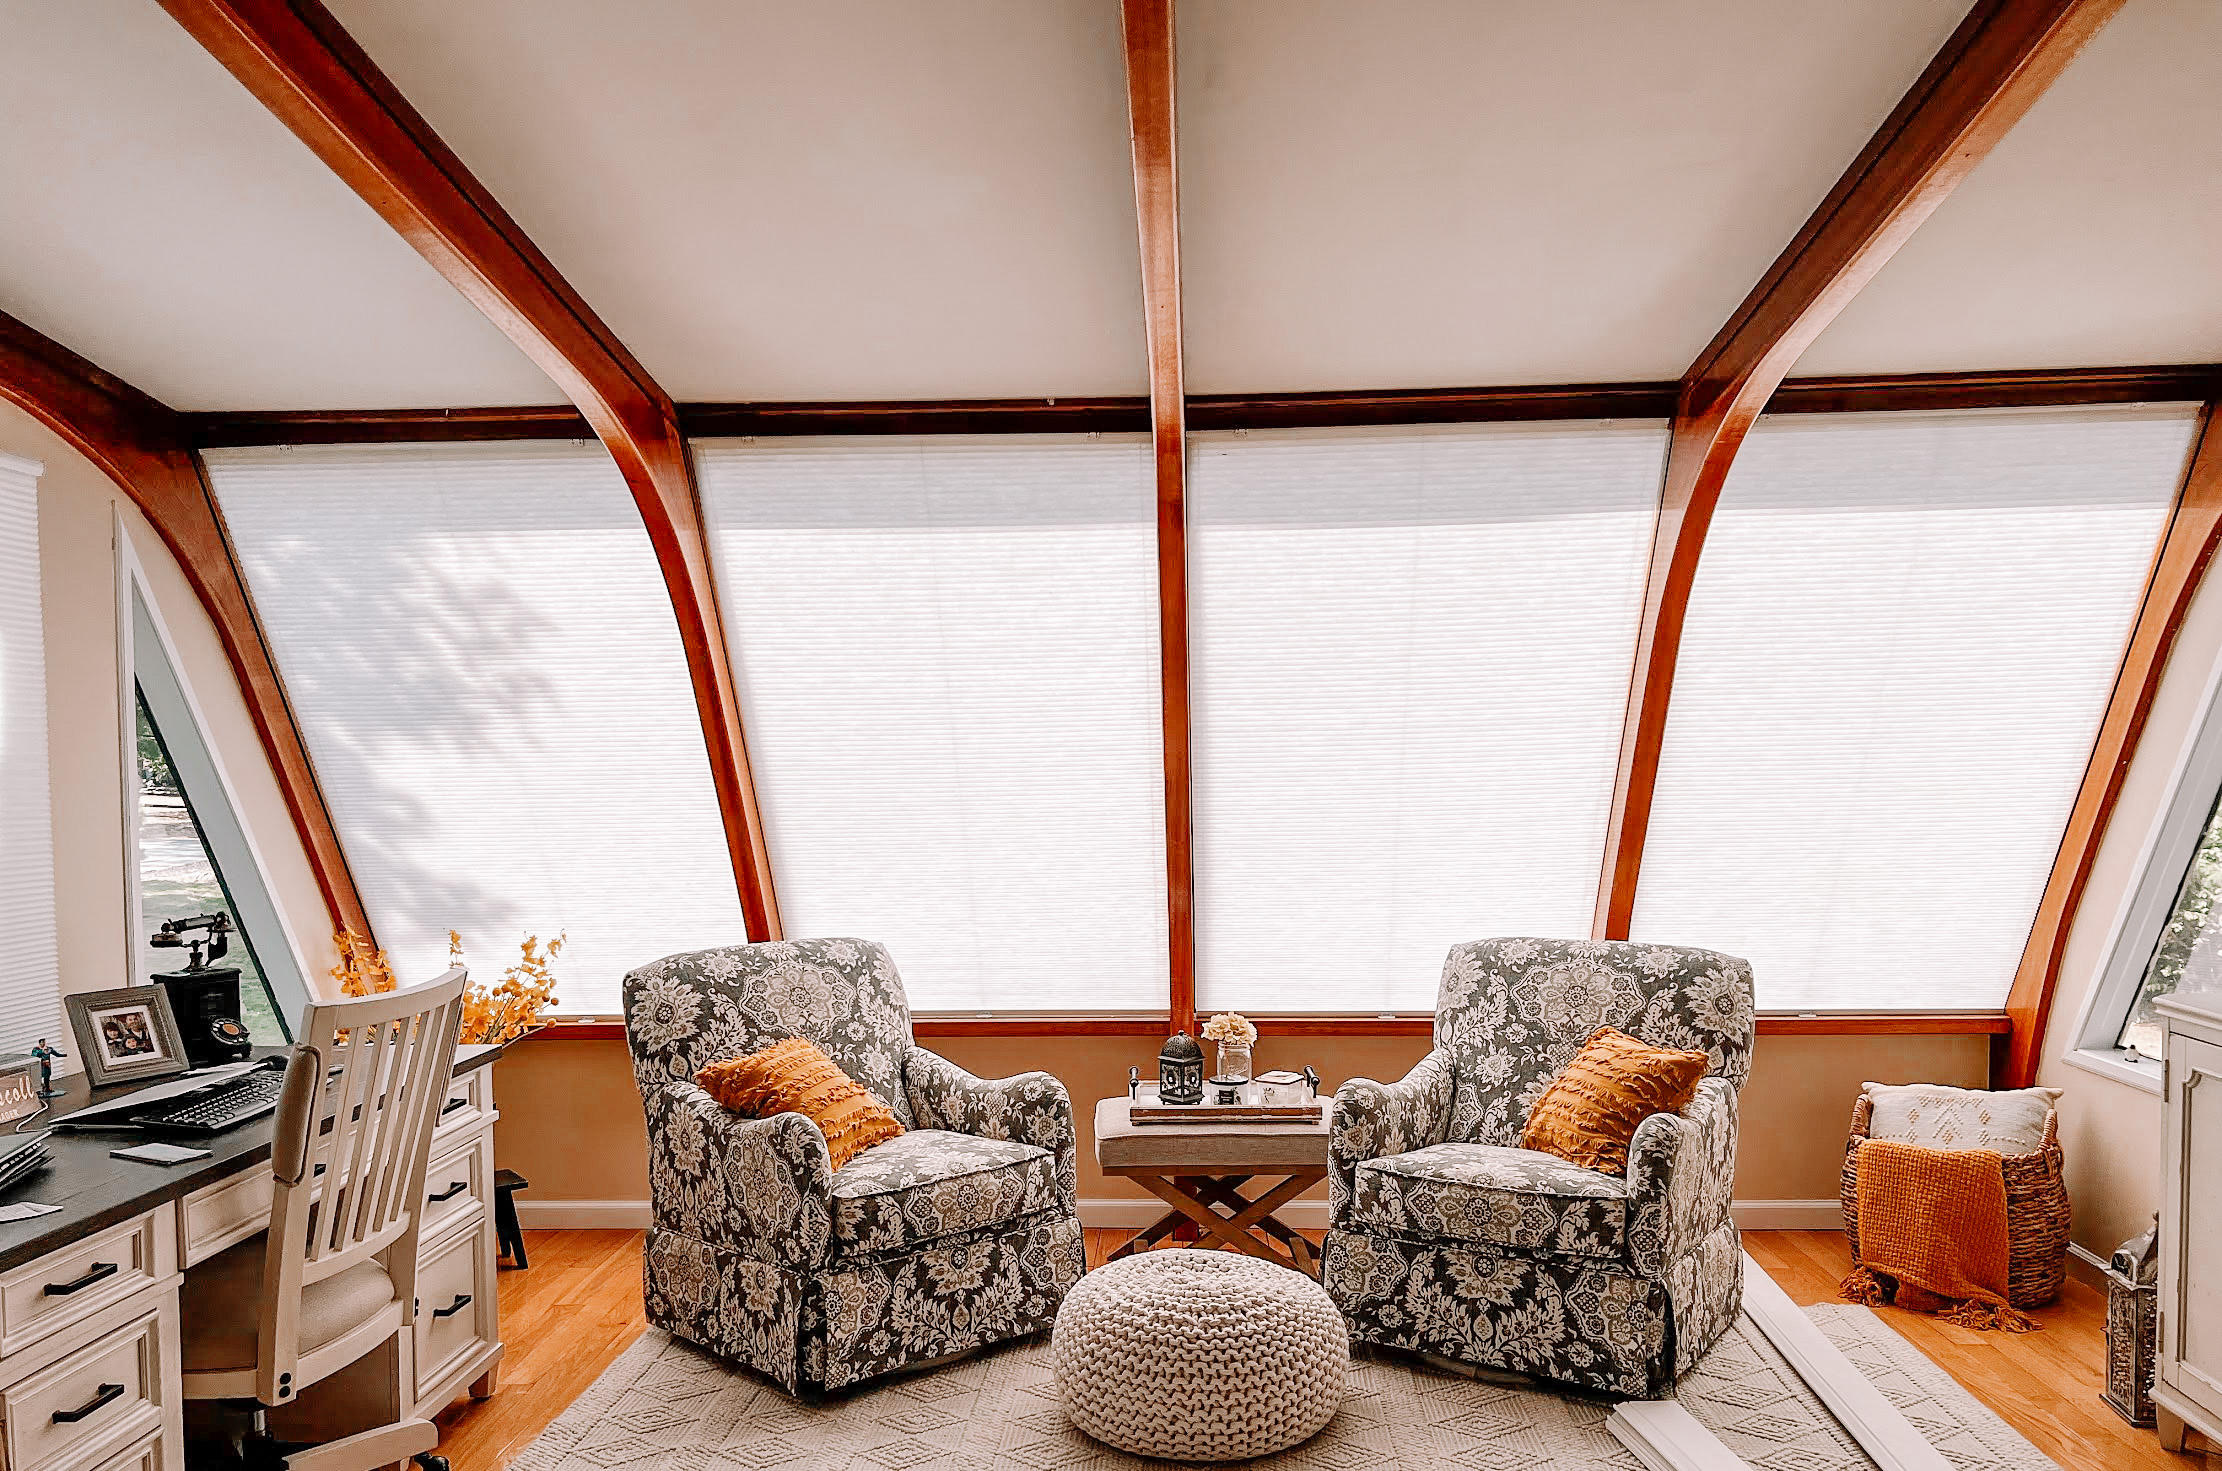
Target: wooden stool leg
(506, 1230)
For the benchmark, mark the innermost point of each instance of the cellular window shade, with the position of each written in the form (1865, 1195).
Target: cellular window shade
(948, 655)
(1410, 659)
(1901, 640)
(30, 968)
(481, 652)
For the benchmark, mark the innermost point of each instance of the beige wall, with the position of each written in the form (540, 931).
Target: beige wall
(2110, 1131)
(571, 1120)
(78, 506)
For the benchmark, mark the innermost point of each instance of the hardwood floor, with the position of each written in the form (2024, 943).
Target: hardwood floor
(568, 1316)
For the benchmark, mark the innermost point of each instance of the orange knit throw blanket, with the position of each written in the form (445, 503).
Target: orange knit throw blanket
(1932, 1225)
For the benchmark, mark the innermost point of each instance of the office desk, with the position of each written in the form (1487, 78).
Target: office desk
(89, 1295)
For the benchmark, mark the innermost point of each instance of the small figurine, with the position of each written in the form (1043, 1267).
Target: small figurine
(46, 1052)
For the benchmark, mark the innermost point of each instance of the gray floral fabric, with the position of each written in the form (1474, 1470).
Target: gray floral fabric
(1373, 1120)
(1512, 1013)
(1681, 1176)
(1585, 1322)
(1516, 1198)
(930, 1183)
(1445, 1236)
(961, 1233)
(687, 1011)
(1027, 1108)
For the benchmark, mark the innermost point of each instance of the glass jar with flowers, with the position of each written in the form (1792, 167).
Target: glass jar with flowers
(1234, 1033)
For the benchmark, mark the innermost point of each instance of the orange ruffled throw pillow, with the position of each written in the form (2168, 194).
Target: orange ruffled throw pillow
(1590, 1112)
(794, 1076)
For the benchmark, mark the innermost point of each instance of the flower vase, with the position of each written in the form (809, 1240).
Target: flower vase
(1234, 1060)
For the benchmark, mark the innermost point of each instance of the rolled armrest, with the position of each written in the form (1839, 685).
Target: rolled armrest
(1026, 1108)
(1681, 1177)
(762, 1185)
(1373, 1120)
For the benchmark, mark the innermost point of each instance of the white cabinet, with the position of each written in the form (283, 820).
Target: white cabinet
(2188, 1368)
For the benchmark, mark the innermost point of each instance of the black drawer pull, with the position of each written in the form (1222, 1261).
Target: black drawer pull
(98, 1272)
(451, 1192)
(453, 1104)
(109, 1393)
(462, 1301)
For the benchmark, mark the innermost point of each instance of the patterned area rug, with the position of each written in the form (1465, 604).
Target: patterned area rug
(664, 1406)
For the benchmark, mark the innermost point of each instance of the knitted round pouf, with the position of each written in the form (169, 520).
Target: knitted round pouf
(1199, 1356)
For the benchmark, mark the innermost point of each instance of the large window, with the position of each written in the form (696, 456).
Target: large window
(1902, 639)
(1410, 659)
(481, 652)
(948, 655)
(30, 964)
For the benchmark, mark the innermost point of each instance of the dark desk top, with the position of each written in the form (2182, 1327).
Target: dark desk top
(96, 1190)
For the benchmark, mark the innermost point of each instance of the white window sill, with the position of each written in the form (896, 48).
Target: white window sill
(2111, 1062)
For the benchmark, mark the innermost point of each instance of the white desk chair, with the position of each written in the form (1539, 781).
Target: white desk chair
(334, 1276)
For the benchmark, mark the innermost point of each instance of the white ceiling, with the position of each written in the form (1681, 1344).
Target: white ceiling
(839, 199)
(1437, 192)
(859, 199)
(157, 219)
(2092, 235)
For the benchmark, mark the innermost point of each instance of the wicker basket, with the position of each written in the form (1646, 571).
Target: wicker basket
(2036, 1211)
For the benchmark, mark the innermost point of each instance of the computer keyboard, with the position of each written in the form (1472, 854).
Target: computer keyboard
(229, 1104)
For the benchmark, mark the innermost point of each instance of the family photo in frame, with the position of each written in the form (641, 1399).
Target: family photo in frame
(126, 1035)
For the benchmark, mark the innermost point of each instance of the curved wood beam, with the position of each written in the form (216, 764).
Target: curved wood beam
(1996, 64)
(2180, 564)
(308, 71)
(140, 444)
(1147, 26)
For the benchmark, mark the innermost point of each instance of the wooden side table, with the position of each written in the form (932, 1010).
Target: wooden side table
(1199, 1170)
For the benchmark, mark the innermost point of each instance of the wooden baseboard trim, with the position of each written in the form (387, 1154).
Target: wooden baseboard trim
(582, 1215)
(1881, 1429)
(1666, 1437)
(1788, 1215)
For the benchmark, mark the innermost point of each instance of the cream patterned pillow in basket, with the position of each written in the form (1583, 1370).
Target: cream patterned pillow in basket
(2010, 1123)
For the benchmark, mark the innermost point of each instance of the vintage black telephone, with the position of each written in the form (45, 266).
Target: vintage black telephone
(204, 996)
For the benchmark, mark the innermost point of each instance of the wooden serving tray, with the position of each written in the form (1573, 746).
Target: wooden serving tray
(1152, 1112)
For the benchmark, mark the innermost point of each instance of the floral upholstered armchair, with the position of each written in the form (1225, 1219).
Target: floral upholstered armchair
(962, 1232)
(1446, 1237)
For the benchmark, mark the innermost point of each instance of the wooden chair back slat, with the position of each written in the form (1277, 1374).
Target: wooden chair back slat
(371, 1129)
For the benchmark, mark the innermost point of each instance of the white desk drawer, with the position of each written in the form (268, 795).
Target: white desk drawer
(146, 1456)
(75, 1413)
(227, 1212)
(453, 1183)
(450, 1296)
(43, 1297)
(468, 1102)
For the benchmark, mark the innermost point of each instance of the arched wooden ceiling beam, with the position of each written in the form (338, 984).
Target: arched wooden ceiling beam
(1996, 64)
(2186, 550)
(1147, 26)
(141, 445)
(295, 57)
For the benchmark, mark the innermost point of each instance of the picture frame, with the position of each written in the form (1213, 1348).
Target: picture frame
(127, 1036)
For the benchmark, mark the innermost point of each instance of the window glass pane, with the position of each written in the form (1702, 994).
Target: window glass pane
(1902, 638)
(482, 654)
(1411, 654)
(30, 961)
(2189, 955)
(178, 879)
(948, 652)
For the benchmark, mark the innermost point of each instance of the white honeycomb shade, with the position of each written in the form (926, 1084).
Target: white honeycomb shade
(1901, 641)
(948, 652)
(1411, 652)
(482, 655)
(30, 976)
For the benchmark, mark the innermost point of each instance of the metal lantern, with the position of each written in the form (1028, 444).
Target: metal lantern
(2132, 1327)
(1180, 1070)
